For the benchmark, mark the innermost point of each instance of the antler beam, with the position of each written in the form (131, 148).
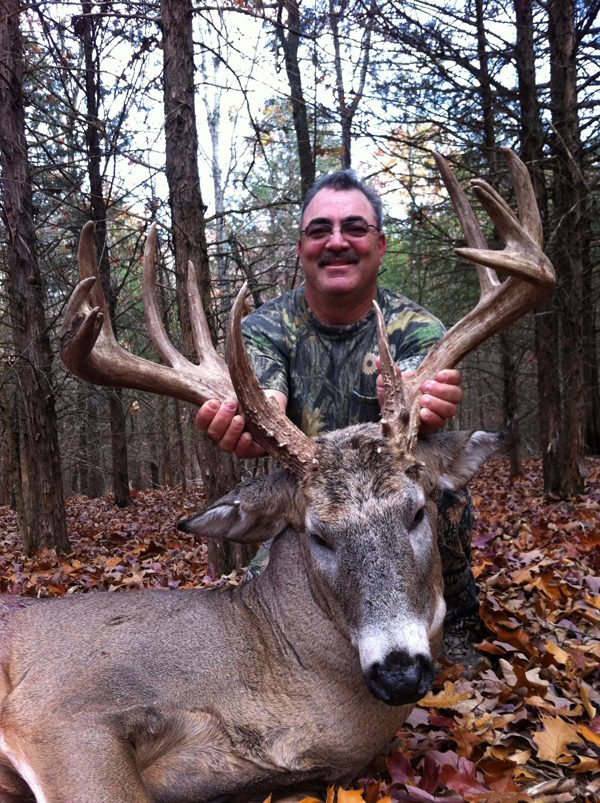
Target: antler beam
(90, 350)
(531, 277)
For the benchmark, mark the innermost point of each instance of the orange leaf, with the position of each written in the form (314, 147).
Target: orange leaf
(589, 735)
(350, 796)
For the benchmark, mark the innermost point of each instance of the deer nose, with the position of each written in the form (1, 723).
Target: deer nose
(401, 678)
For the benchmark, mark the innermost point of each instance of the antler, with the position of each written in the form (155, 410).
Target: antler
(90, 350)
(531, 280)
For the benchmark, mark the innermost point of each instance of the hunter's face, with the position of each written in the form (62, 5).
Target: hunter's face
(340, 262)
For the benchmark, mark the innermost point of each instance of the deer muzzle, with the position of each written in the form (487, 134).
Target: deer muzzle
(401, 678)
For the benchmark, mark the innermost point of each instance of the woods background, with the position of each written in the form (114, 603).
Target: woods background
(214, 120)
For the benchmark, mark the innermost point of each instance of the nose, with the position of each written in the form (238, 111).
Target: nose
(337, 239)
(401, 678)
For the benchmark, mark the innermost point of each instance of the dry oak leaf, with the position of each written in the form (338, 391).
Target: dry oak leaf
(447, 698)
(553, 741)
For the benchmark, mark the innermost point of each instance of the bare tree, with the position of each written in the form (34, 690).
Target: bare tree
(43, 509)
(347, 109)
(85, 28)
(220, 471)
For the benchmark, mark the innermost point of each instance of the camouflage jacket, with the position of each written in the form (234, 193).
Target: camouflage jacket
(328, 373)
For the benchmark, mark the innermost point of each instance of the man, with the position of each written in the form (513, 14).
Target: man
(315, 350)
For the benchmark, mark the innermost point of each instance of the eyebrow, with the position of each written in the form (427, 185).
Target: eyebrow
(349, 219)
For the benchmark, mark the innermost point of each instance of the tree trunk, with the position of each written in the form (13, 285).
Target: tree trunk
(510, 404)
(569, 193)
(12, 463)
(85, 29)
(509, 367)
(43, 496)
(220, 472)
(546, 315)
(289, 45)
(180, 445)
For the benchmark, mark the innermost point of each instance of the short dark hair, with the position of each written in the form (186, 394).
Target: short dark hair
(346, 180)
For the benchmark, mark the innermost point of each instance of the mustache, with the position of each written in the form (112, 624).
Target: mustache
(347, 256)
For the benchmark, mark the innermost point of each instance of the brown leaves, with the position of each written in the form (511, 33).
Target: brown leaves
(113, 550)
(553, 742)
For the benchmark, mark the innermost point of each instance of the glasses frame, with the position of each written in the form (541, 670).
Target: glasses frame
(339, 226)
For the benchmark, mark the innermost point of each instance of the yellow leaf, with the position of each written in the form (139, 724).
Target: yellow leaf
(309, 800)
(447, 698)
(330, 794)
(554, 740)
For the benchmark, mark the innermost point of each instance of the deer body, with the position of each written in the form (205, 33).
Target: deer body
(235, 694)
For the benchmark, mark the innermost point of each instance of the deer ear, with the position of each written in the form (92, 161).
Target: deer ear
(452, 458)
(254, 511)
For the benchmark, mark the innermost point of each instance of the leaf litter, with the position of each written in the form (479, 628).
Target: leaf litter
(524, 726)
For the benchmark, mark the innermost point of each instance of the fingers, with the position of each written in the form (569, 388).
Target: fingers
(449, 376)
(430, 421)
(223, 425)
(247, 447)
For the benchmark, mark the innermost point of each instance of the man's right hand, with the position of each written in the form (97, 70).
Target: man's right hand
(220, 421)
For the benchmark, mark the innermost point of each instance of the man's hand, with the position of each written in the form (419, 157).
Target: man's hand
(439, 399)
(221, 422)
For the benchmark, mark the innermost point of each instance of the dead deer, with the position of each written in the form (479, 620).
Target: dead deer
(297, 679)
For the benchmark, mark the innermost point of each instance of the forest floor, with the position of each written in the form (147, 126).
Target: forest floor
(527, 729)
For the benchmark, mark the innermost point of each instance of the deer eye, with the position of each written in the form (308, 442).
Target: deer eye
(320, 542)
(418, 517)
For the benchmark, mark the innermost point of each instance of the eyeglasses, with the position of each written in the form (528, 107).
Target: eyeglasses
(351, 229)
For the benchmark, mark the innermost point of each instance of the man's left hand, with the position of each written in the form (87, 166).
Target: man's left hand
(439, 399)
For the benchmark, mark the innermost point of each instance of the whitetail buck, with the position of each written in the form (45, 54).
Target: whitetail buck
(297, 679)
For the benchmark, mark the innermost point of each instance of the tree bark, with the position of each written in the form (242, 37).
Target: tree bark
(509, 366)
(510, 404)
(220, 470)
(546, 315)
(569, 195)
(85, 29)
(289, 45)
(40, 457)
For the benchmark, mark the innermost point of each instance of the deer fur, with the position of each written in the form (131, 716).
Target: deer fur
(282, 685)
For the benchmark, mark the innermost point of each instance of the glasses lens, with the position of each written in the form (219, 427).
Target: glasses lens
(354, 229)
(318, 231)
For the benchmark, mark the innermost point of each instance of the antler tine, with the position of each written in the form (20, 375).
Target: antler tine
(164, 348)
(90, 350)
(269, 426)
(212, 370)
(396, 414)
(210, 360)
(531, 275)
(529, 214)
(488, 280)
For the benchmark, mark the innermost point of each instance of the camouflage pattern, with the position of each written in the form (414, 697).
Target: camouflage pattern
(328, 375)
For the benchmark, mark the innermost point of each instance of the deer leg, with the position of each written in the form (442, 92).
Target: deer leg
(78, 765)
